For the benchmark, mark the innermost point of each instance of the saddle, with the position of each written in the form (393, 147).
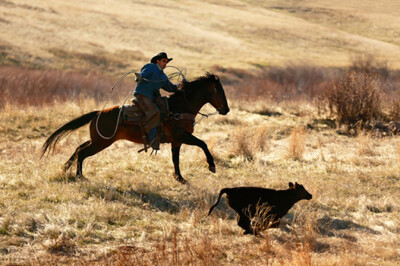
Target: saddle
(133, 115)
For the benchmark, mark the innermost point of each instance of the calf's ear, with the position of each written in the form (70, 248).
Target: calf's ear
(291, 184)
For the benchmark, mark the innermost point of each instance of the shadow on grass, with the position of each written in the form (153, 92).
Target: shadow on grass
(67, 177)
(145, 196)
(130, 197)
(331, 226)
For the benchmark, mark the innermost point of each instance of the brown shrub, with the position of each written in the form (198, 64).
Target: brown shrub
(394, 110)
(354, 98)
(369, 65)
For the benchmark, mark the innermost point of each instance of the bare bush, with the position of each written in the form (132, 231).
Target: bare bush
(354, 98)
(394, 110)
(368, 64)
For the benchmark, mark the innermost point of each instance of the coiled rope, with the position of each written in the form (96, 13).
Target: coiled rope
(178, 73)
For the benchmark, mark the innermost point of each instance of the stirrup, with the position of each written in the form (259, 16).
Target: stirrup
(145, 145)
(155, 144)
(143, 149)
(156, 148)
(155, 153)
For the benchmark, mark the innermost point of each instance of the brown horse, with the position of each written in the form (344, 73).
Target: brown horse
(184, 106)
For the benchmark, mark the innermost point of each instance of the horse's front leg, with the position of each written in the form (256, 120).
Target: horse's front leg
(187, 138)
(175, 148)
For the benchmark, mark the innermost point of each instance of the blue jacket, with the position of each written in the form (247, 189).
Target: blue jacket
(156, 80)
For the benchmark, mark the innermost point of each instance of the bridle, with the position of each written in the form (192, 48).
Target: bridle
(219, 104)
(218, 108)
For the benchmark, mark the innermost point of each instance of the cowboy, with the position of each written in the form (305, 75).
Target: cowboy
(150, 80)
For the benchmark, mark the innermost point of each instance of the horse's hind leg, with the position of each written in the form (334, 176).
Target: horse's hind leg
(68, 164)
(91, 149)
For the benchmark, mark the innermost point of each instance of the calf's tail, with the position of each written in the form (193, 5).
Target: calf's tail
(219, 197)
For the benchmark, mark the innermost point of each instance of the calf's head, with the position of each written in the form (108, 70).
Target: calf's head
(300, 191)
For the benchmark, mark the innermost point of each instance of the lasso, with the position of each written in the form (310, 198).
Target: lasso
(178, 73)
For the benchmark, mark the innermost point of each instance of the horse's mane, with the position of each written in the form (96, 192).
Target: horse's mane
(207, 76)
(196, 83)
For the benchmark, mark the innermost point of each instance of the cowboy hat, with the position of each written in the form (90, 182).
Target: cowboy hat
(160, 56)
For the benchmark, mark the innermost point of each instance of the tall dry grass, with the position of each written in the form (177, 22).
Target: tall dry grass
(248, 142)
(297, 141)
(365, 146)
(398, 153)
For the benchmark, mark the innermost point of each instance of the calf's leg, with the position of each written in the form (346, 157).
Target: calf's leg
(244, 222)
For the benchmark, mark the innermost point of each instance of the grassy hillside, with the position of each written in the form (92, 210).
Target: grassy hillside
(115, 36)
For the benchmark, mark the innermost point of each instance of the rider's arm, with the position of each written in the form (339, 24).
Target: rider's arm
(169, 86)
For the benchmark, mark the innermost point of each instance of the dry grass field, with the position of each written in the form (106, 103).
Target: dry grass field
(130, 210)
(58, 60)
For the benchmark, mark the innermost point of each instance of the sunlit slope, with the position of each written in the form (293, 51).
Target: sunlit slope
(378, 20)
(118, 35)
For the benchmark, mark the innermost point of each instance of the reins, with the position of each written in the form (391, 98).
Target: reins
(204, 116)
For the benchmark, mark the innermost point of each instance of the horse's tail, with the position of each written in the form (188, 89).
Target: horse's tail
(219, 198)
(66, 129)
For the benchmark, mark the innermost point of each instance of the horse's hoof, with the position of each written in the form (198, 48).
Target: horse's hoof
(212, 169)
(66, 167)
(81, 178)
(180, 179)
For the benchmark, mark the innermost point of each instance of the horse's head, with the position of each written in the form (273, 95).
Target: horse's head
(205, 89)
(216, 95)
